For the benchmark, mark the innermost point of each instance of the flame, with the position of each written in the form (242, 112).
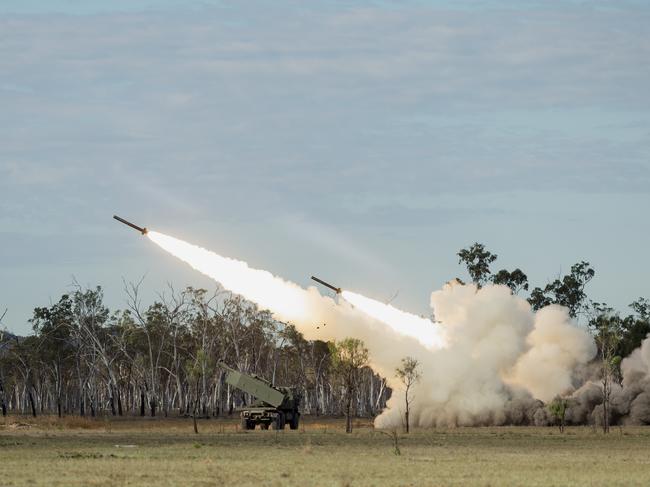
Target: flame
(262, 287)
(422, 329)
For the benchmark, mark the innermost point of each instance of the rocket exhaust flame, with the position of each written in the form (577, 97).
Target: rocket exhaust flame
(422, 329)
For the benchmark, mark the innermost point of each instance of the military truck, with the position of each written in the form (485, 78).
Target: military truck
(275, 406)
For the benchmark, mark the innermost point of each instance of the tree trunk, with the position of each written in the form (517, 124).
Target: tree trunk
(119, 402)
(348, 415)
(111, 400)
(196, 426)
(31, 402)
(406, 414)
(606, 393)
(3, 404)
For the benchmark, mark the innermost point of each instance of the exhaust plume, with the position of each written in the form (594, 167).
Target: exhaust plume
(422, 329)
(306, 309)
(489, 360)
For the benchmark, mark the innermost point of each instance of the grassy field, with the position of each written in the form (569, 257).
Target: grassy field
(76, 452)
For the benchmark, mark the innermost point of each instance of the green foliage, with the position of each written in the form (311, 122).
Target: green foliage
(515, 280)
(608, 330)
(477, 260)
(607, 327)
(558, 408)
(635, 327)
(567, 291)
(409, 373)
(348, 357)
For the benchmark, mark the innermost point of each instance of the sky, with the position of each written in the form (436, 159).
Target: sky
(362, 142)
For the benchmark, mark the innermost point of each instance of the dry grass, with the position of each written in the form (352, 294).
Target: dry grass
(76, 452)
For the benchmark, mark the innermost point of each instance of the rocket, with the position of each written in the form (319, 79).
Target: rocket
(337, 290)
(142, 230)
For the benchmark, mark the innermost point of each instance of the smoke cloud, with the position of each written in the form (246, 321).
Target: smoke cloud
(488, 359)
(501, 361)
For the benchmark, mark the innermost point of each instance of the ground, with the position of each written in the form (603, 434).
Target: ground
(145, 452)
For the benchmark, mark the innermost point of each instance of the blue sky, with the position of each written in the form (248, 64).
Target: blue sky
(365, 142)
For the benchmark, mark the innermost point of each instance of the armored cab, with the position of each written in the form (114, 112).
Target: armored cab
(275, 406)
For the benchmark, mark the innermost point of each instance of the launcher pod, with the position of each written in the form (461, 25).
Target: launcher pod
(275, 406)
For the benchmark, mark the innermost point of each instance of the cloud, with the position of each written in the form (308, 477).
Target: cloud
(245, 112)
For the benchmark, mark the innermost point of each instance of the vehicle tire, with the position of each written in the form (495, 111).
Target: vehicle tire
(279, 422)
(244, 424)
(295, 420)
(264, 426)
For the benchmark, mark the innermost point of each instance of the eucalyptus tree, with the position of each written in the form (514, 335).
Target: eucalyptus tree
(349, 356)
(607, 329)
(477, 259)
(568, 291)
(409, 373)
(53, 327)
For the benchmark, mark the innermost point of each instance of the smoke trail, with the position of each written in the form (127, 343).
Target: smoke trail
(287, 299)
(422, 329)
(304, 308)
(497, 360)
(259, 286)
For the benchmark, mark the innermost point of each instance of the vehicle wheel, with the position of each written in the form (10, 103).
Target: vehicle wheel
(279, 422)
(244, 424)
(295, 420)
(264, 426)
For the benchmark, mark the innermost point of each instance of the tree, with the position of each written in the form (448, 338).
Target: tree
(348, 357)
(515, 280)
(53, 326)
(568, 291)
(3, 402)
(194, 373)
(635, 327)
(477, 260)
(409, 373)
(558, 408)
(607, 328)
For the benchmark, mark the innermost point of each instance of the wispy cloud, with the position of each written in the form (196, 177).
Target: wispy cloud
(245, 111)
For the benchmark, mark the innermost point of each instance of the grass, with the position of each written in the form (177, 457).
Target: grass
(166, 452)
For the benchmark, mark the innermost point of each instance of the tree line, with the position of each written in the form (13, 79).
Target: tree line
(161, 360)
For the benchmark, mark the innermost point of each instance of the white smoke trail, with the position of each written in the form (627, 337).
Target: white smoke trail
(495, 351)
(422, 329)
(304, 308)
(287, 299)
(259, 286)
